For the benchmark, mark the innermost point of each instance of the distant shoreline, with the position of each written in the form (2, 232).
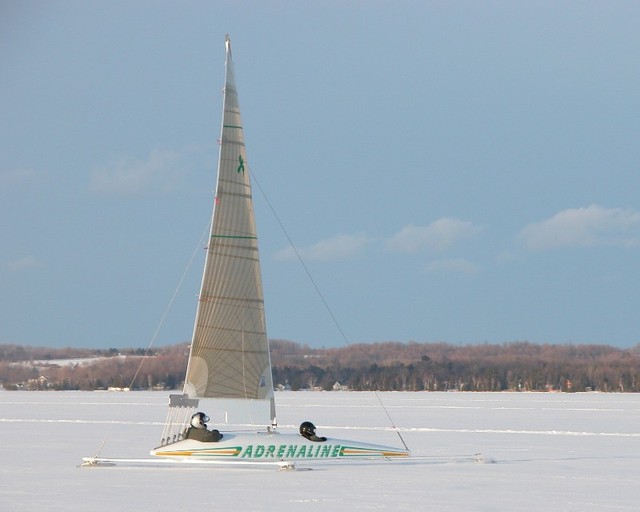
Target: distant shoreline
(387, 366)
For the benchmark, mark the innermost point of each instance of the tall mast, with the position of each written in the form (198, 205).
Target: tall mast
(229, 357)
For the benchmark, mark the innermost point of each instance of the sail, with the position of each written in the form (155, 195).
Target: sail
(229, 357)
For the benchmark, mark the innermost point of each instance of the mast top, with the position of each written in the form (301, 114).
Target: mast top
(227, 44)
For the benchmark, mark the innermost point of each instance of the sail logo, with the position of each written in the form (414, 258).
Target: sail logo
(241, 166)
(291, 451)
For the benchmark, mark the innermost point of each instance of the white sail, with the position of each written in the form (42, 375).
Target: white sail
(229, 359)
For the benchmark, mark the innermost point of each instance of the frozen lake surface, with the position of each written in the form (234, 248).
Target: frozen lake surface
(542, 451)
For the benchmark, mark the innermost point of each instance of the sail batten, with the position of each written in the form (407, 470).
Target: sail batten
(229, 356)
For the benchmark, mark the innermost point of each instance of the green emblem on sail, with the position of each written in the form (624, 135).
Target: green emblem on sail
(241, 166)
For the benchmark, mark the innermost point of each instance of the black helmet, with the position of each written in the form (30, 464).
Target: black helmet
(307, 429)
(199, 420)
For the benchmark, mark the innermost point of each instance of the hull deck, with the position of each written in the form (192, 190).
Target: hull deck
(274, 447)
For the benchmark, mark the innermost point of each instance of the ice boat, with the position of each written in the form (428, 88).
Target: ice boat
(229, 369)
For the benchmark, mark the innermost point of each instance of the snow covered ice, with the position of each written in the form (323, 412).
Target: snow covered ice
(540, 451)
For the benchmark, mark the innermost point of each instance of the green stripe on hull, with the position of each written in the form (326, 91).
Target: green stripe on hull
(223, 452)
(288, 452)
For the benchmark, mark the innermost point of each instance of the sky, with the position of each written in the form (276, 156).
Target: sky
(461, 172)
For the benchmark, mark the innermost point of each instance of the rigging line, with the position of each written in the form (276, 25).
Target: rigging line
(326, 304)
(391, 421)
(304, 266)
(169, 305)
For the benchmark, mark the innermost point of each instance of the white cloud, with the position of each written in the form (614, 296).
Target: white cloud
(129, 176)
(439, 235)
(457, 265)
(23, 263)
(337, 248)
(583, 227)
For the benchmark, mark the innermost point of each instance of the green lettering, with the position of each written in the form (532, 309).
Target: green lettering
(291, 451)
(281, 450)
(302, 452)
(336, 451)
(326, 449)
(270, 449)
(259, 451)
(248, 451)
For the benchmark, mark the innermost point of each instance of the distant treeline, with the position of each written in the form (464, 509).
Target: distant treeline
(23, 367)
(412, 366)
(384, 366)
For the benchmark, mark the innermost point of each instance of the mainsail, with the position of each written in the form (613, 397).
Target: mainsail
(229, 359)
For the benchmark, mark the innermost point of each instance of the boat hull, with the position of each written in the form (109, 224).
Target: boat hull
(273, 447)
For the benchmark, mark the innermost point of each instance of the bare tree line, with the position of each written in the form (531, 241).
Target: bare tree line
(24, 367)
(410, 366)
(485, 367)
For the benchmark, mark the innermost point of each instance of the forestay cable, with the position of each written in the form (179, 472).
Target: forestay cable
(169, 305)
